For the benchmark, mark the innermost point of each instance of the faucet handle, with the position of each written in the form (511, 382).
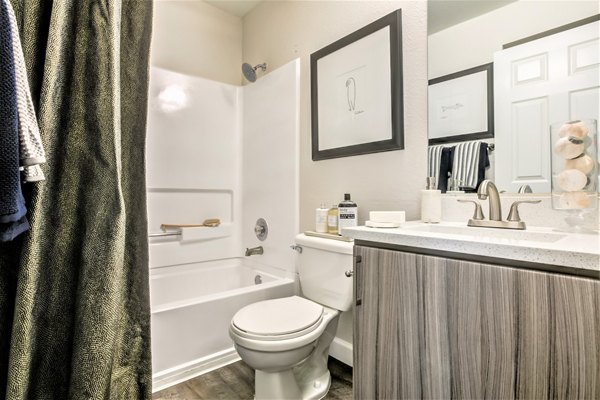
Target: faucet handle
(478, 214)
(513, 214)
(525, 189)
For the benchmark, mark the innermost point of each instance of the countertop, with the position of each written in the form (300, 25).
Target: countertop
(534, 245)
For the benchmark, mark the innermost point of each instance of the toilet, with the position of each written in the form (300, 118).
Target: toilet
(287, 340)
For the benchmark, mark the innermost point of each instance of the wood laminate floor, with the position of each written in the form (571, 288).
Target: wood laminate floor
(236, 381)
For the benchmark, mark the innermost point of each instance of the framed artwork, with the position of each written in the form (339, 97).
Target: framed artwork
(356, 92)
(461, 106)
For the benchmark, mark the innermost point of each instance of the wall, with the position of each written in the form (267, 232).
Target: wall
(193, 166)
(454, 49)
(538, 215)
(195, 38)
(277, 32)
(270, 164)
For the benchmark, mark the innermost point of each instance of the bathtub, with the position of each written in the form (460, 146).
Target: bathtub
(192, 306)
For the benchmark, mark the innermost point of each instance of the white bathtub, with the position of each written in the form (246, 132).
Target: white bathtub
(192, 306)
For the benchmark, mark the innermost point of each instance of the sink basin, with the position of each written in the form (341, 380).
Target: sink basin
(483, 233)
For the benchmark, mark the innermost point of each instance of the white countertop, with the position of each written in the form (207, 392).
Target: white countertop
(534, 245)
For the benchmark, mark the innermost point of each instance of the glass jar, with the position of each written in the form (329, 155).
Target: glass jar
(574, 161)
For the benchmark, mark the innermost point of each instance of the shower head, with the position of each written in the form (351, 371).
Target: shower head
(250, 72)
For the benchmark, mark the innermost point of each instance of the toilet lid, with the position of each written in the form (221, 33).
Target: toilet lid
(278, 316)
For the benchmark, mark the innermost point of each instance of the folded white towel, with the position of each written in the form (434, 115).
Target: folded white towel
(32, 173)
(31, 148)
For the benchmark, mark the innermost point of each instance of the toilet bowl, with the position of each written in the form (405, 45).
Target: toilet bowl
(287, 340)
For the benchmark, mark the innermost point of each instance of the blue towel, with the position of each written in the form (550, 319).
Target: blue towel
(13, 229)
(484, 162)
(12, 203)
(445, 168)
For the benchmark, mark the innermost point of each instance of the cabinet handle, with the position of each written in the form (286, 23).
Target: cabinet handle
(357, 287)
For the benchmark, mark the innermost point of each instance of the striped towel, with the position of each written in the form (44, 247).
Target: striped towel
(30, 143)
(465, 166)
(434, 155)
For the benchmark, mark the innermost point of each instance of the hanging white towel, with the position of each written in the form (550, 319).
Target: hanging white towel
(465, 165)
(433, 161)
(31, 149)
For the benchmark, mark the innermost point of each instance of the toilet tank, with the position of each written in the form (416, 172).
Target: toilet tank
(322, 265)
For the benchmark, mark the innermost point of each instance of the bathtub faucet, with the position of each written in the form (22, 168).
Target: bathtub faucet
(254, 251)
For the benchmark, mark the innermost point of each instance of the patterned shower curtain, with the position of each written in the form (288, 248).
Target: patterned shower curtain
(74, 303)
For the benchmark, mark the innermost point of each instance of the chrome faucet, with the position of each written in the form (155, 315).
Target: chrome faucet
(487, 190)
(254, 251)
(525, 189)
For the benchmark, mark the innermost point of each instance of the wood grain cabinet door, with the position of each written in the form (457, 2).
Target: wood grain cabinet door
(436, 328)
(386, 329)
(366, 278)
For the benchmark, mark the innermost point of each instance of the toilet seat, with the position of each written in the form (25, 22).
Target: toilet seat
(278, 319)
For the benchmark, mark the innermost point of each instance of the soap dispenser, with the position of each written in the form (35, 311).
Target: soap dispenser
(348, 211)
(321, 219)
(431, 202)
(333, 220)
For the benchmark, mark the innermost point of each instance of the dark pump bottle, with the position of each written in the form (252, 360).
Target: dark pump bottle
(348, 211)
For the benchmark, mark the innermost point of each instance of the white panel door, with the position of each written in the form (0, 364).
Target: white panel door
(552, 79)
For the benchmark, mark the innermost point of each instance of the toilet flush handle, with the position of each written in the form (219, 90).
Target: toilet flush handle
(349, 273)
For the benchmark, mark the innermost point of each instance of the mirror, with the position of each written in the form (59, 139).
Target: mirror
(463, 35)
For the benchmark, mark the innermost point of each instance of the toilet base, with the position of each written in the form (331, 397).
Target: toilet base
(276, 385)
(299, 373)
(284, 385)
(318, 388)
(308, 380)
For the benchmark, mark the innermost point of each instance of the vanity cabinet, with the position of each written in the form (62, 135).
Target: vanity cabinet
(440, 328)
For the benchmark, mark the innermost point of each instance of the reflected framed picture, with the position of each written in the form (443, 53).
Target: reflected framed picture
(357, 92)
(461, 106)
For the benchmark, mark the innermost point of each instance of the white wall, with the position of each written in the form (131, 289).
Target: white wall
(270, 164)
(195, 38)
(193, 165)
(228, 152)
(474, 42)
(279, 31)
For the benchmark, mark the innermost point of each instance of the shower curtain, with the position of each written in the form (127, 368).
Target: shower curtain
(74, 304)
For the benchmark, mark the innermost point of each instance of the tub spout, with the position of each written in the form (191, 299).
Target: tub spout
(254, 251)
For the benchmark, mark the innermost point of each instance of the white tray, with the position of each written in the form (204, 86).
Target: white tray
(372, 224)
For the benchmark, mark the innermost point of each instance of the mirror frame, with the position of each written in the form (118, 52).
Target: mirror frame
(489, 133)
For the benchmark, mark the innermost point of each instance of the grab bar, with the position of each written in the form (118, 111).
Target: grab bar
(210, 223)
(176, 233)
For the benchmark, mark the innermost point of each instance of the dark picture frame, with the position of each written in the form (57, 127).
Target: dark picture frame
(461, 106)
(357, 92)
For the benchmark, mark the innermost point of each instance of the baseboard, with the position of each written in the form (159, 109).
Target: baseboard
(181, 373)
(341, 350)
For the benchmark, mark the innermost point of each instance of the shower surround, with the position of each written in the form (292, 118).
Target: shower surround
(217, 151)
